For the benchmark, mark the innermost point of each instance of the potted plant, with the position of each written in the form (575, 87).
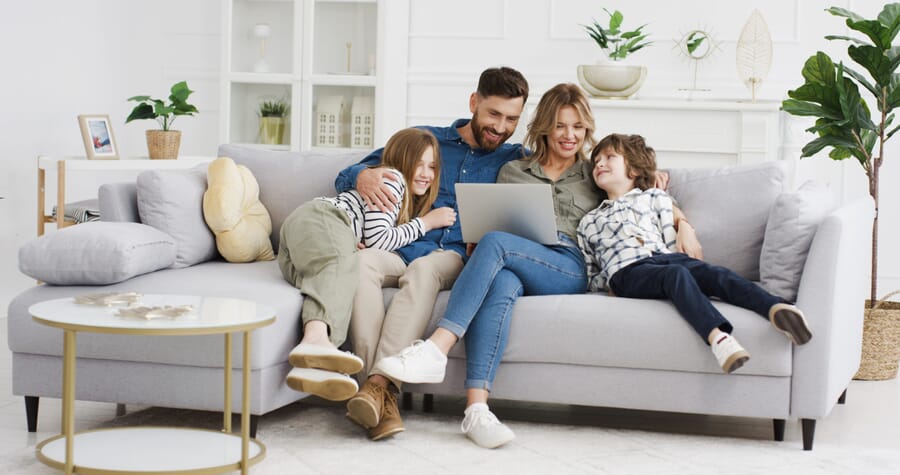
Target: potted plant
(272, 115)
(833, 94)
(612, 79)
(163, 143)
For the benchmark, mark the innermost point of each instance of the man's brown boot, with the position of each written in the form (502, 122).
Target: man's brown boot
(366, 406)
(391, 423)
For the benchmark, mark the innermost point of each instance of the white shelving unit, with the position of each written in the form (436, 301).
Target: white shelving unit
(308, 58)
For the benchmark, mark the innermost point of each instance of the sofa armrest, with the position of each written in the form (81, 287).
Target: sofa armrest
(118, 202)
(832, 292)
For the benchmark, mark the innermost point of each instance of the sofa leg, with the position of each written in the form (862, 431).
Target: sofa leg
(809, 431)
(778, 426)
(406, 401)
(254, 424)
(31, 412)
(120, 410)
(843, 398)
(428, 403)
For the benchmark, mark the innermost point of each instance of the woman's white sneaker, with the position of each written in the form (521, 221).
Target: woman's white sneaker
(421, 362)
(482, 427)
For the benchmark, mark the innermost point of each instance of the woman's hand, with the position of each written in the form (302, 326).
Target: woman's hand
(662, 180)
(370, 185)
(439, 218)
(686, 240)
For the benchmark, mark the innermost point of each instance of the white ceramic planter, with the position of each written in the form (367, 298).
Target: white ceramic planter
(611, 81)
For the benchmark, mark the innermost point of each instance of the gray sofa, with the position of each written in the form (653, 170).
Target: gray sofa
(587, 349)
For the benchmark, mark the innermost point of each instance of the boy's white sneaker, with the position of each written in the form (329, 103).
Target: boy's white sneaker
(729, 353)
(482, 427)
(789, 320)
(325, 384)
(421, 362)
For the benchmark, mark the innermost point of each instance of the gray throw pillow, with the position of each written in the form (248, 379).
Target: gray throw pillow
(793, 222)
(729, 208)
(172, 201)
(96, 253)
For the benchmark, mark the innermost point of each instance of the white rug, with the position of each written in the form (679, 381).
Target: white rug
(316, 438)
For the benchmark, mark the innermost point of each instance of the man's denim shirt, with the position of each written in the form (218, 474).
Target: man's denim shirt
(459, 164)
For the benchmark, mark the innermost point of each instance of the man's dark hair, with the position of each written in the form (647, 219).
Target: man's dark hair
(503, 82)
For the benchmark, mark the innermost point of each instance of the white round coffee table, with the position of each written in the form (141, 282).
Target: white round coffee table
(154, 449)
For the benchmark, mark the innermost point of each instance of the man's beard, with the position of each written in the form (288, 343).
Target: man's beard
(478, 131)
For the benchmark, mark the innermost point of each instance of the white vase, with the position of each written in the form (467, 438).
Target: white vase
(611, 80)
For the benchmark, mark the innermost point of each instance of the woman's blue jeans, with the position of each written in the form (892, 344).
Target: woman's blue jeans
(502, 268)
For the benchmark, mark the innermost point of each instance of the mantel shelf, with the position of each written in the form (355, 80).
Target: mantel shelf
(683, 104)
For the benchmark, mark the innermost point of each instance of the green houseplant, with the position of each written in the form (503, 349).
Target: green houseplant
(163, 143)
(833, 94)
(613, 80)
(272, 117)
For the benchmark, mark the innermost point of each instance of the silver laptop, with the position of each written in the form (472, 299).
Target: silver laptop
(522, 209)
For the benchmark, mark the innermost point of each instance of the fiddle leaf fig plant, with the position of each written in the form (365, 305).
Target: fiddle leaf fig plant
(833, 94)
(165, 114)
(616, 43)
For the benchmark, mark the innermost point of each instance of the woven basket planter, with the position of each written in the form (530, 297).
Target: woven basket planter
(881, 340)
(163, 144)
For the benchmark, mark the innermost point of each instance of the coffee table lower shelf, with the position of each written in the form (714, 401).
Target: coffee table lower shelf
(151, 449)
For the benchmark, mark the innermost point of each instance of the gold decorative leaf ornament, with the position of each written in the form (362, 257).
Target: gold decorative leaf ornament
(754, 52)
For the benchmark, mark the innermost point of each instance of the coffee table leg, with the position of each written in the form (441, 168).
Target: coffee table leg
(245, 407)
(227, 412)
(68, 409)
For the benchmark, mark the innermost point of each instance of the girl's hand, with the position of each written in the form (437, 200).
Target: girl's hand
(439, 218)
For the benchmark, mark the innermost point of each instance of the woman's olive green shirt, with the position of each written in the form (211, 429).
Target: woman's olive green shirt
(574, 192)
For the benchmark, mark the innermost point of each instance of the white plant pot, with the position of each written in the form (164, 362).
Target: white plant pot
(610, 80)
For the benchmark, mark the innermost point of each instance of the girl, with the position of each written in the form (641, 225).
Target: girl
(317, 254)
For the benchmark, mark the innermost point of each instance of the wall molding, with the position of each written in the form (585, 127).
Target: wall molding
(504, 28)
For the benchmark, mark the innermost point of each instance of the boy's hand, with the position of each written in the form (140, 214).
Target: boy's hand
(439, 218)
(686, 241)
(370, 185)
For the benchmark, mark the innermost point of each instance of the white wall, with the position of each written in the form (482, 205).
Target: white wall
(63, 58)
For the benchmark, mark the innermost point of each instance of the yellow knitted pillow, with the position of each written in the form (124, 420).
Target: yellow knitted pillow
(234, 213)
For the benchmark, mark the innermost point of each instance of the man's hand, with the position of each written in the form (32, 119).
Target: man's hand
(686, 240)
(662, 180)
(370, 185)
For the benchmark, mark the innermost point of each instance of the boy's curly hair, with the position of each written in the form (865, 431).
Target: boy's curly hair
(640, 159)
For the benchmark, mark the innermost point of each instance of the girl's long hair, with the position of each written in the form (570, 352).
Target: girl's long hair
(404, 151)
(544, 121)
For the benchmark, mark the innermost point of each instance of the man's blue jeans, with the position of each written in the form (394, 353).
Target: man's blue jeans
(689, 283)
(502, 268)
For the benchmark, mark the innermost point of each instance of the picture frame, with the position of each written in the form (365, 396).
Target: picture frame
(97, 134)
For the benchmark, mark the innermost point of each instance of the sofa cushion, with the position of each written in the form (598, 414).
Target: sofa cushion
(172, 201)
(96, 253)
(792, 223)
(234, 213)
(729, 207)
(289, 179)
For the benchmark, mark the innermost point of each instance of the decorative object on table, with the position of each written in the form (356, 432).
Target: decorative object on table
(331, 112)
(612, 79)
(261, 31)
(163, 143)
(157, 311)
(97, 134)
(695, 46)
(754, 52)
(362, 122)
(272, 118)
(105, 299)
(845, 123)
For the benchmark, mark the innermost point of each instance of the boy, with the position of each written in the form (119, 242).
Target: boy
(628, 245)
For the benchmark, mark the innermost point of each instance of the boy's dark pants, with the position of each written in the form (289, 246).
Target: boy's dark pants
(689, 283)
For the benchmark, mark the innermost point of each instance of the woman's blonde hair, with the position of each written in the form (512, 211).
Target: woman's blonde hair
(544, 121)
(404, 151)
(640, 159)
